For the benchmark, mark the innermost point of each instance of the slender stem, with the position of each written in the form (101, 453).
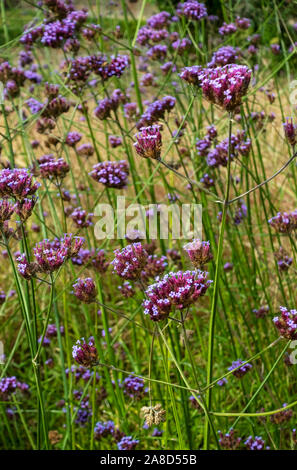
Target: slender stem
(216, 291)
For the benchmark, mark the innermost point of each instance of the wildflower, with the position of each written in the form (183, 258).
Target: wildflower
(126, 289)
(85, 150)
(52, 168)
(154, 266)
(243, 23)
(261, 312)
(24, 208)
(198, 252)
(156, 111)
(73, 138)
(114, 141)
(229, 441)
(290, 131)
(192, 10)
(286, 323)
(17, 183)
(134, 387)
(241, 370)
(225, 86)
(127, 443)
(6, 210)
(227, 29)
(130, 261)
(154, 414)
(284, 261)
(85, 353)
(81, 218)
(160, 20)
(149, 142)
(85, 290)
(284, 222)
(111, 174)
(223, 56)
(222, 382)
(255, 444)
(104, 429)
(175, 290)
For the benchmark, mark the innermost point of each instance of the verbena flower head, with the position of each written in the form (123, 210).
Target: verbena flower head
(24, 208)
(290, 131)
(9, 385)
(284, 222)
(104, 429)
(159, 20)
(127, 443)
(227, 28)
(156, 111)
(52, 168)
(155, 265)
(81, 218)
(282, 416)
(85, 353)
(225, 86)
(175, 290)
(149, 142)
(73, 138)
(130, 261)
(7, 208)
(229, 441)
(286, 323)
(256, 443)
(223, 56)
(111, 174)
(134, 387)
(17, 183)
(49, 255)
(85, 290)
(192, 10)
(198, 252)
(241, 370)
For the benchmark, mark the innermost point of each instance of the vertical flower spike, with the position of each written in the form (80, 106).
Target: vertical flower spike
(149, 142)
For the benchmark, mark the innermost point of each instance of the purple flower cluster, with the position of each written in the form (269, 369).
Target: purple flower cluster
(229, 441)
(81, 218)
(286, 323)
(192, 10)
(149, 142)
(256, 443)
(95, 259)
(49, 255)
(223, 56)
(160, 20)
(9, 385)
(227, 29)
(155, 265)
(284, 222)
(218, 156)
(111, 174)
(127, 443)
(52, 168)
(239, 370)
(225, 86)
(134, 387)
(107, 105)
(17, 183)
(156, 111)
(85, 353)
(198, 252)
(175, 290)
(290, 130)
(130, 261)
(85, 290)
